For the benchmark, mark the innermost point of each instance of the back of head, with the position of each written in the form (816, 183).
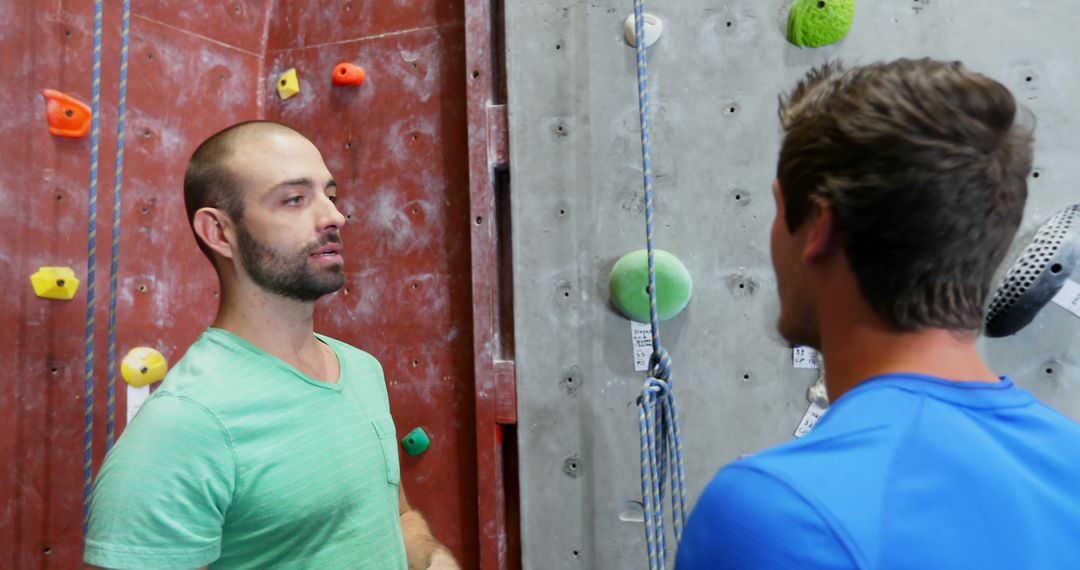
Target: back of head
(925, 166)
(209, 182)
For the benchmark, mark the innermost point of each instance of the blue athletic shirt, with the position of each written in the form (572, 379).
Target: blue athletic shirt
(904, 471)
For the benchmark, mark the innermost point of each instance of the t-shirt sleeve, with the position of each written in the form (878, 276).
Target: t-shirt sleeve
(750, 519)
(160, 499)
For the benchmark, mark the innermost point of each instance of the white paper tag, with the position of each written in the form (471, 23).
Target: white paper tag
(641, 337)
(805, 357)
(135, 399)
(1069, 297)
(810, 419)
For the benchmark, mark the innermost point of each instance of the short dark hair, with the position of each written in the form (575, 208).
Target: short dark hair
(208, 181)
(924, 165)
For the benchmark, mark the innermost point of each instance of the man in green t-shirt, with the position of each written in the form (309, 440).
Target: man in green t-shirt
(267, 446)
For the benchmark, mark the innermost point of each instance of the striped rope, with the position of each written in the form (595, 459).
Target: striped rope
(658, 418)
(114, 266)
(91, 271)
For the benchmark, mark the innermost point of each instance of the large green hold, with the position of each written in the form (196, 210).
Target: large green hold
(630, 284)
(815, 23)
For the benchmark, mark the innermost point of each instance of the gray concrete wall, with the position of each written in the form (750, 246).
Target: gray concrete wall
(577, 207)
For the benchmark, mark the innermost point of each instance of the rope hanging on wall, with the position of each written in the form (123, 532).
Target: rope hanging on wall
(661, 443)
(114, 266)
(91, 271)
(91, 258)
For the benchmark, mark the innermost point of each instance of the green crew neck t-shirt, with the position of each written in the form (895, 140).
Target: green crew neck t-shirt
(239, 460)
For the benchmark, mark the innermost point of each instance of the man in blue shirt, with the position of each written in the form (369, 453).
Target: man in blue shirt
(899, 189)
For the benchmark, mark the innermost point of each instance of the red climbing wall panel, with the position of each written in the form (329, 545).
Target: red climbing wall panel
(397, 145)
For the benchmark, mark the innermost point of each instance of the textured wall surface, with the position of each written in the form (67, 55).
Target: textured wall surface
(577, 207)
(397, 145)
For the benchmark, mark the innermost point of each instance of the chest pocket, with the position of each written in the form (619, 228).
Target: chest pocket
(384, 427)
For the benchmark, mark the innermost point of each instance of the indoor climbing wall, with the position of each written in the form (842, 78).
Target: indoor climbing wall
(714, 77)
(190, 73)
(395, 142)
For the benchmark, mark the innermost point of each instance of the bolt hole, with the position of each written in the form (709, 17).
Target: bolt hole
(145, 211)
(348, 145)
(236, 9)
(479, 220)
(562, 212)
(415, 363)
(147, 133)
(60, 282)
(221, 77)
(59, 197)
(54, 371)
(570, 380)
(414, 210)
(142, 288)
(69, 113)
(67, 33)
(409, 441)
(731, 109)
(730, 24)
(348, 216)
(558, 47)
(414, 65)
(573, 466)
(150, 56)
(821, 4)
(415, 286)
(1049, 370)
(577, 554)
(475, 74)
(414, 137)
(1029, 79)
(742, 285)
(47, 551)
(282, 82)
(144, 370)
(1035, 174)
(1055, 268)
(348, 6)
(346, 290)
(566, 293)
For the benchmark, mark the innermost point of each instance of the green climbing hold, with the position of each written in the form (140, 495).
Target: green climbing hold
(630, 284)
(416, 442)
(815, 23)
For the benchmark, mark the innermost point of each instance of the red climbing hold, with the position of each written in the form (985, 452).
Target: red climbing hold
(67, 116)
(348, 74)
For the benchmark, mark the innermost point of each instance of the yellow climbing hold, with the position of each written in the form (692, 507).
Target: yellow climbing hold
(288, 84)
(143, 366)
(815, 23)
(55, 283)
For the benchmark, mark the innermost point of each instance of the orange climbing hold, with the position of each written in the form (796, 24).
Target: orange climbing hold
(348, 74)
(67, 116)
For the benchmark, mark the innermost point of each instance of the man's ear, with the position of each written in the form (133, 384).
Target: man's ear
(822, 240)
(215, 229)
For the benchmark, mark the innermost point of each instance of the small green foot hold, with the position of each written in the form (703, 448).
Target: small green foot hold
(815, 23)
(416, 442)
(630, 285)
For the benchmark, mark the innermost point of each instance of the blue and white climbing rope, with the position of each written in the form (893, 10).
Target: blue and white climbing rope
(114, 266)
(91, 272)
(661, 443)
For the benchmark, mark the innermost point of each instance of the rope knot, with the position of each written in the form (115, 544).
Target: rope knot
(660, 365)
